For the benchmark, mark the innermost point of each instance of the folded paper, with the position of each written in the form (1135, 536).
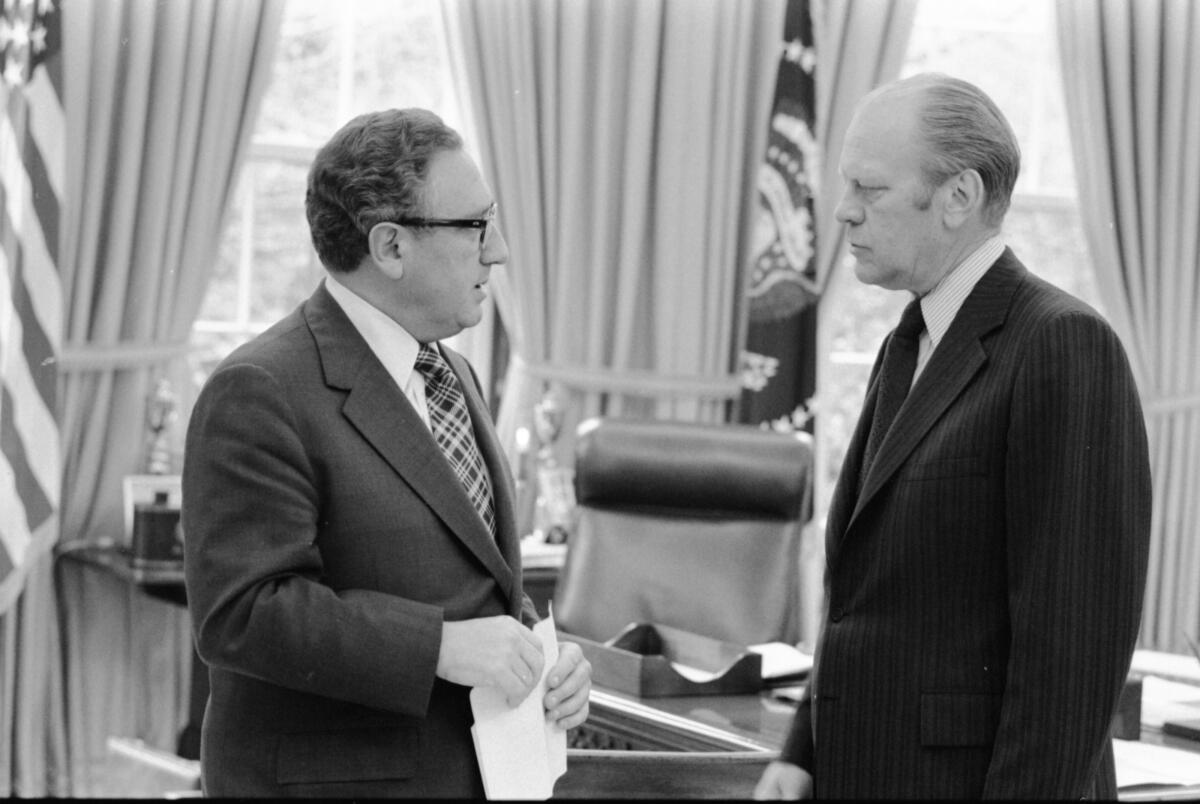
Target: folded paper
(521, 753)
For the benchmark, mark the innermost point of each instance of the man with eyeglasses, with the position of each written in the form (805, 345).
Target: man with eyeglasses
(352, 561)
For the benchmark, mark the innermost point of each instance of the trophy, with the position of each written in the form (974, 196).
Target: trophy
(555, 503)
(160, 414)
(524, 486)
(547, 423)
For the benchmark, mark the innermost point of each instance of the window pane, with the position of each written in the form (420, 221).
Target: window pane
(300, 104)
(398, 58)
(1010, 52)
(220, 303)
(1049, 234)
(336, 60)
(284, 267)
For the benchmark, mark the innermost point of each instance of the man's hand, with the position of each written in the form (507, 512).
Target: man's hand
(491, 652)
(784, 780)
(568, 686)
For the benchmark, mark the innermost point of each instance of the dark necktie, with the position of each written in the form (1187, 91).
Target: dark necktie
(451, 425)
(895, 378)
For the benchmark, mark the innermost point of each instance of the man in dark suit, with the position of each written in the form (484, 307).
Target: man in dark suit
(986, 554)
(352, 561)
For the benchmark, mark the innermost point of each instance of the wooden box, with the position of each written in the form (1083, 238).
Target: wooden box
(657, 660)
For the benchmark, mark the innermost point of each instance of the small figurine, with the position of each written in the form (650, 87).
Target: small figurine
(555, 501)
(160, 415)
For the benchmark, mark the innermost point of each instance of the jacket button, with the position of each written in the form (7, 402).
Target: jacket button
(836, 615)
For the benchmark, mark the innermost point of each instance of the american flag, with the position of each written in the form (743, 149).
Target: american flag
(32, 132)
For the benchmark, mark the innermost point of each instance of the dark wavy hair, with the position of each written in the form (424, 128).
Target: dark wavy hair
(964, 129)
(373, 169)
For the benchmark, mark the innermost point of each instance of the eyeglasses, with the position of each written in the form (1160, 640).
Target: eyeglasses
(482, 224)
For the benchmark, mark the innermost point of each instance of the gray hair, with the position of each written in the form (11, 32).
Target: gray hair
(373, 169)
(963, 129)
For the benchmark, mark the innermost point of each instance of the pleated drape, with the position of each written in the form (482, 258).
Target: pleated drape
(1131, 71)
(160, 101)
(33, 726)
(621, 139)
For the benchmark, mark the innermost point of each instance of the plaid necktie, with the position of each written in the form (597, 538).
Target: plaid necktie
(452, 430)
(895, 378)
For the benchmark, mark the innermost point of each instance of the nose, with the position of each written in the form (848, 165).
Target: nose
(848, 209)
(495, 247)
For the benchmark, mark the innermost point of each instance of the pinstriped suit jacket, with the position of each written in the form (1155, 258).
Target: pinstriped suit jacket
(984, 591)
(326, 541)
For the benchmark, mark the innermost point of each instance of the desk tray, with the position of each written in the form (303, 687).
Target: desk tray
(642, 660)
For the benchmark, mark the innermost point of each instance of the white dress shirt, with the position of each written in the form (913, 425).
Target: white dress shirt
(940, 305)
(390, 342)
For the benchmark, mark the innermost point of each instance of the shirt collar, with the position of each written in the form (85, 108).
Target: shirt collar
(941, 305)
(390, 342)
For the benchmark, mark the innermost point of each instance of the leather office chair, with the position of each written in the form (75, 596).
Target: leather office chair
(694, 526)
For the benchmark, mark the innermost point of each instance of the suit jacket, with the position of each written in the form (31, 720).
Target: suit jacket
(326, 541)
(984, 590)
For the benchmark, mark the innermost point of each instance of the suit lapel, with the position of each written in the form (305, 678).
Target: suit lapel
(379, 410)
(957, 359)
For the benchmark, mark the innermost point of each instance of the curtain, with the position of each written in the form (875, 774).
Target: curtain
(1130, 72)
(160, 103)
(622, 141)
(34, 722)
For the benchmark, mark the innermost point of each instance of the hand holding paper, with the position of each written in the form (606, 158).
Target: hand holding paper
(521, 752)
(569, 686)
(496, 652)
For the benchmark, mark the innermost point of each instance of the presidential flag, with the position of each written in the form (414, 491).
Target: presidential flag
(782, 278)
(778, 364)
(32, 132)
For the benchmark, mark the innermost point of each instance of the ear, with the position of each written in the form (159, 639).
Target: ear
(388, 245)
(965, 198)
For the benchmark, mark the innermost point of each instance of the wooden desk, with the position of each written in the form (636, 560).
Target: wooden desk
(164, 581)
(686, 723)
(742, 723)
(725, 722)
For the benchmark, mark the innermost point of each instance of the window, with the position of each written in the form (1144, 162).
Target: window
(1010, 50)
(333, 61)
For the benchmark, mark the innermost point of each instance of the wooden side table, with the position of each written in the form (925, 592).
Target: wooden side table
(163, 581)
